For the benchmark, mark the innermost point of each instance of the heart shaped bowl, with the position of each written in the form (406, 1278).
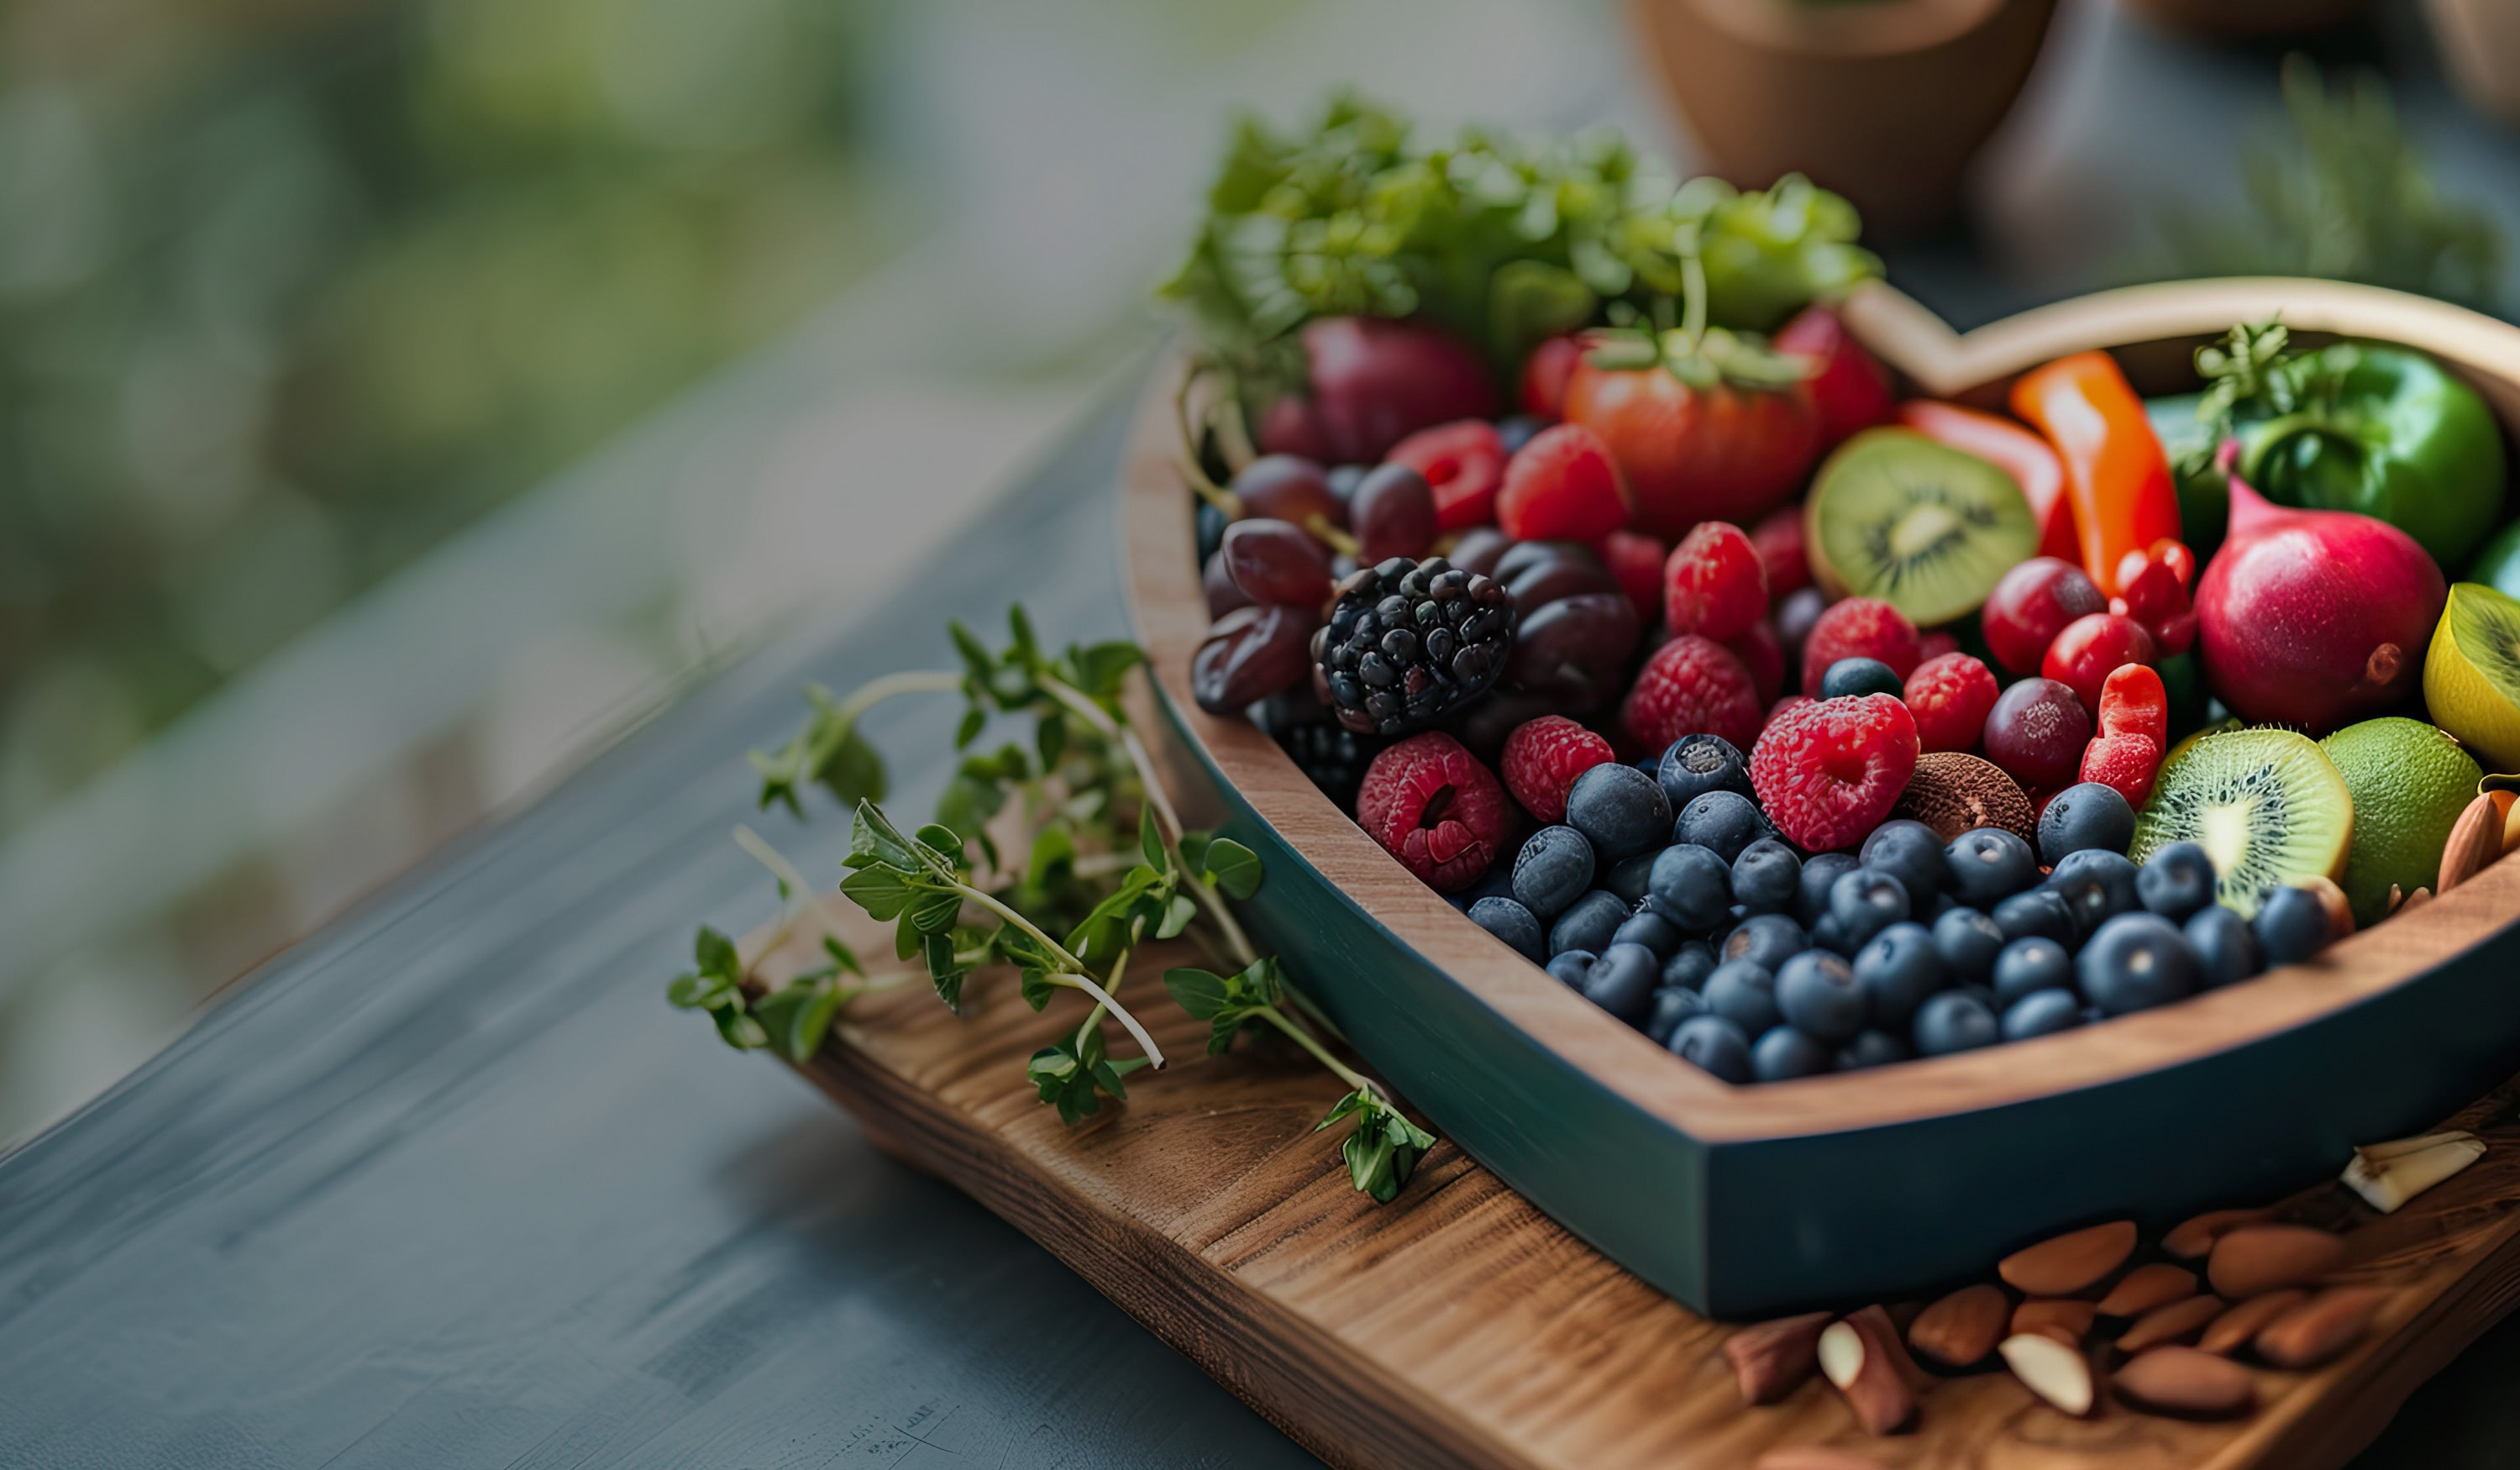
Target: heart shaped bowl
(1748, 1200)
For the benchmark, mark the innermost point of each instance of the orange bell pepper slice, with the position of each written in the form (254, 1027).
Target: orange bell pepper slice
(2015, 451)
(2115, 471)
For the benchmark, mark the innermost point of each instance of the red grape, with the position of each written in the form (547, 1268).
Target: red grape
(2031, 605)
(1479, 549)
(1288, 487)
(1277, 564)
(2091, 649)
(1223, 597)
(2037, 732)
(1251, 654)
(1393, 512)
(1575, 649)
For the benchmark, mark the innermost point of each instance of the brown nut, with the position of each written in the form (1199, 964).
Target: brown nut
(2475, 840)
(1771, 1359)
(2231, 1331)
(1960, 1329)
(1861, 1354)
(2147, 1287)
(1814, 1458)
(2192, 1238)
(2072, 1317)
(2186, 1383)
(2056, 1372)
(2319, 1328)
(2176, 1322)
(2263, 1257)
(2069, 1264)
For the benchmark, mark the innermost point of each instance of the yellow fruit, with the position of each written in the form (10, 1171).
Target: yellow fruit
(2472, 674)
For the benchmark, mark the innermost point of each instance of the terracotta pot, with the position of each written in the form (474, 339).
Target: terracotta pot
(2478, 41)
(2250, 18)
(1884, 101)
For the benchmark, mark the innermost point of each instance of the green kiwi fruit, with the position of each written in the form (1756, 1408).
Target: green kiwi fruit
(2266, 804)
(1920, 525)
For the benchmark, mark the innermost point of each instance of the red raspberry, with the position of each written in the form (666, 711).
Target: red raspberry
(1763, 653)
(1779, 539)
(1636, 560)
(1691, 685)
(1434, 807)
(1951, 695)
(1714, 584)
(1561, 486)
(1859, 628)
(1778, 709)
(1934, 645)
(1542, 759)
(1828, 772)
(1463, 464)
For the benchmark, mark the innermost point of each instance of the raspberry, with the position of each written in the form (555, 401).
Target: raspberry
(1636, 560)
(1545, 374)
(1776, 710)
(1779, 539)
(1714, 584)
(1434, 807)
(1859, 628)
(1934, 645)
(1463, 464)
(1542, 759)
(1828, 772)
(1691, 685)
(1951, 695)
(1562, 486)
(1763, 653)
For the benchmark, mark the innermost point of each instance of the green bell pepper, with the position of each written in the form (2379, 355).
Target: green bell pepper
(2204, 492)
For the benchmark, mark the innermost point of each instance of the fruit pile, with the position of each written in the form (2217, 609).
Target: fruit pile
(1808, 730)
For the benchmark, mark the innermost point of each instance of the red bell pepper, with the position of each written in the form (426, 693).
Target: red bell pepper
(2015, 451)
(2115, 471)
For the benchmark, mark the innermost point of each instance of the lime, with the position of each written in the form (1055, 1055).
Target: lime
(2409, 782)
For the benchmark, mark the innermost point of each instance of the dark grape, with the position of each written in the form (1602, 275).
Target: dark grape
(1393, 513)
(1223, 597)
(1478, 550)
(1251, 654)
(1275, 562)
(1288, 487)
(1575, 650)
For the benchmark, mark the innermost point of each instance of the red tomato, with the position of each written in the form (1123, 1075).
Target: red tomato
(1848, 387)
(1725, 453)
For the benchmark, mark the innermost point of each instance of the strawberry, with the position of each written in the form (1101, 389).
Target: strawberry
(1562, 486)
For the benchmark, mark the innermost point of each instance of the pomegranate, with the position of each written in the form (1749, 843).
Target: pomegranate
(1374, 383)
(2314, 617)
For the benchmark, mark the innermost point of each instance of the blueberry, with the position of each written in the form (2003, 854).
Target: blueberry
(1767, 876)
(1987, 865)
(1650, 929)
(1691, 885)
(1943, 904)
(1820, 873)
(1696, 764)
(1865, 902)
(2137, 962)
(1630, 877)
(2099, 885)
(1551, 871)
(2176, 882)
(1619, 807)
(1211, 531)
(1623, 980)
(1953, 1021)
(1690, 966)
(1743, 994)
(1588, 923)
(1830, 935)
(1786, 1052)
(1969, 941)
(2032, 964)
(1766, 940)
(2291, 925)
(1898, 970)
(1873, 1049)
(2042, 912)
(1571, 967)
(2226, 948)
(1649, 764)
(2042, 1012)
(1714, 1044)
(1514, 431)
(1672, 1005)
(1817, 993)
(1496, 882)
(1512, 922)
(1859, 676)
(1910, 852)
(2085, 818)
(1344, 478)
(1724, 820)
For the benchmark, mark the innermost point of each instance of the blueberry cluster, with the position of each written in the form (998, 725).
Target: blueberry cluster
(1669, 900)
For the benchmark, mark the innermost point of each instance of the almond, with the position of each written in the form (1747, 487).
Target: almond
(2071, 1317)
(2388, 1175)
(2176, 1322)
(2416, 901)
(2192, 1238)
(2186, 1383)
(1861, 1354)
(1814, 1458)
(2231, 1331)
(2263, 1257)
(2061, 1333)
(2054, 1371)
(2069, 1264)
(2319, 1328)
(2475, 840)
(1960, 1329)
(1771, 1359)
(2145, 1287)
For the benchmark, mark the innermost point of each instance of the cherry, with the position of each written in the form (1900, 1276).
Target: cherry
(1275, 562)
(1289, 487)
(2037, 732)
(1251, 654)
(1393, 512)
(2031, 605)
(2091, 649)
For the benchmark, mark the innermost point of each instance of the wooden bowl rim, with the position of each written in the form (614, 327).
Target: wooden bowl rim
(1172, 618)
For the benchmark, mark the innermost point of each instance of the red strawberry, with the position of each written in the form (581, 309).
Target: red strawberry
(1828, 772)
(1848, 387)
(1434, 807)
(1714, 583)
(1951, 697)
(1691, 685)
(1779, 539)
(1542, 759)
(1636, 560)
(1859, 628)
(1463, 464)
(1561, 486)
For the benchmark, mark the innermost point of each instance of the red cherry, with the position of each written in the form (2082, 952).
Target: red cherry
(2036, 733)
(2091, 649)
(2175, 634)
(2031, 605)
(2153, 593)
(2176, 555)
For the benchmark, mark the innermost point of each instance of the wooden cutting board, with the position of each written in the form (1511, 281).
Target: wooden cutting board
(1459, 1327)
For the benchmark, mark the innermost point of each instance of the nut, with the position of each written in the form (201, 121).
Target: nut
(2071, 1263)
(1814, 1458)
(2231, 1331)
(2414, 900)
(1961, 1329)
(2388, 1175)
(2051, 1370)
(1771, 1359)
(2069, 1316)
(2263, 1257)
(2185, 1384)
(2145, 1287)
(2061, 1333)
(2475, 842)
(2192, 1238)
(2319, 1328)
(2176, 1322)
(1861, 1354)
(2340, 908)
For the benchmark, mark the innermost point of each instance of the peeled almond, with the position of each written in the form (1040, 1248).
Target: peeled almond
(2387, 1180)
(2055, 1373)
(2319, 1328)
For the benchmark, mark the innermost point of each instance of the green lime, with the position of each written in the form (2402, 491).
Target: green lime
(2409, 782)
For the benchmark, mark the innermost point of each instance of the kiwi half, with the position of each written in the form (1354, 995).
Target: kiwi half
(2266, 804)
(1920, 525)
(2472, 674)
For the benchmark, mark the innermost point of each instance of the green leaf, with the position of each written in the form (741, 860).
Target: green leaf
(842, 956)
(1050, 737)
(977, 661)
(1384, 1149)
(1051, 849)
(944, 970)
(1178, 914)
(1194, 847)
(875, 839)
(1036, 987)
(942, 848)
(853, 769)
(974, 720)
(936, 913)
(715, 955)
(799, 1015)
(1150, 841)
(739, 1028)
(698, 991)
(1233, 868)
(1201, 993)
(882, 892)
(1102, 668)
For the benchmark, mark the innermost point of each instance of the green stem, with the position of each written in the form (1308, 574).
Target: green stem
(1355, 1079)
(875, 691)
(1074, 977)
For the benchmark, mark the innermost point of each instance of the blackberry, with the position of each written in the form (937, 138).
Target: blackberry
(1409, 642)
(1334, 758)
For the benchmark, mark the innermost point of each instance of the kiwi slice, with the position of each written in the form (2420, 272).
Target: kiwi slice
(2266, 804)
(2472, 673)
(1920, 525)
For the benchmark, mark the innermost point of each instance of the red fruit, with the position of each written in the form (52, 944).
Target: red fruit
(1934, 645)
(2151, 594)
(2134, 701)
(1287, 487)
(2126, 764)
(1561, 486)
(2175, 634)
(1432, 805)
(1636, 560)
(1714, 583)
(1374, 382)
(1778, 536)
(1848, 387)
(1763, 653)
(1542, 759)
(1463, 464)
(2037, 732)
(1223, 597)
(1790, 702)
(2091, 649)
(1859, 628)
(1688, 454)
(1545, 374)
(2176, 555)
(2031, 605)
(2314, 617)
(1691, 685)
(1828, 772)
(1951, 695)
(1274, 561)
